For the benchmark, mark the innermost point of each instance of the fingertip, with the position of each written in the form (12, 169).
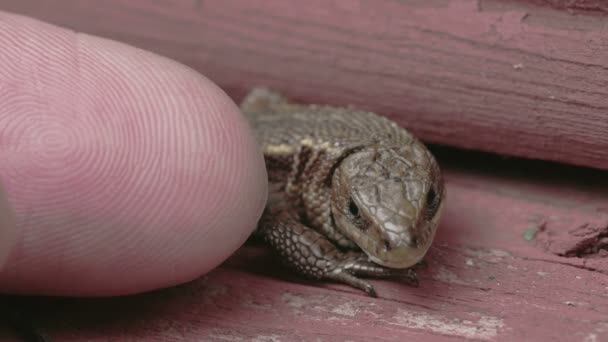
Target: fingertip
(127, 171)
(235, 190)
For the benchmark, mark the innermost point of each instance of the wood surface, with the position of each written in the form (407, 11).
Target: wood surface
(521, 253)
(518, 257)
(521, 78)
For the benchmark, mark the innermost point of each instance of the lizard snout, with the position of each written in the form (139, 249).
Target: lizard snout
(392, 242)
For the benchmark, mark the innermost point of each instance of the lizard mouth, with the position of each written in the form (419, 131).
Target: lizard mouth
(400, 257)
(403, 256)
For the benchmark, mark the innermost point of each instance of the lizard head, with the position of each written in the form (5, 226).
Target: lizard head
(388, 200)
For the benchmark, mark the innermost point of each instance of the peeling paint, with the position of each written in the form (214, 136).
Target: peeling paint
(489, 255)
(447, 276)
(485, 328)
(223, 337)
(267, 338)
(299, 301)
(346, 309)
(590, 338)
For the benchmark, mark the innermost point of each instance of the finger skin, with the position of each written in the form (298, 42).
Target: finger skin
(126, 171)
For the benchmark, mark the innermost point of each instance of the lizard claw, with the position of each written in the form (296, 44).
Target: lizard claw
(349, 279)
(370, 291)
(409, 276)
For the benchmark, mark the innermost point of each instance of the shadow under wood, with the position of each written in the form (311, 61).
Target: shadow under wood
(137, 317)
(549, 177)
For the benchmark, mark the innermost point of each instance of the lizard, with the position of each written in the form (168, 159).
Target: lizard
(352, 195)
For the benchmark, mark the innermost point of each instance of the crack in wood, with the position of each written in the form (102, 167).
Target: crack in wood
(581, 267)
(580, 5)
(596, 245)
(587, 240)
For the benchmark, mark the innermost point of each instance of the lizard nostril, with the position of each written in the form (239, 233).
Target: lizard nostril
(387, 244)
(391, 242)
(414, 242)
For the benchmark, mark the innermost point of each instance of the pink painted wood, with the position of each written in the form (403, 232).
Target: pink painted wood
(520, 253)
(509, 77)
(497, 273)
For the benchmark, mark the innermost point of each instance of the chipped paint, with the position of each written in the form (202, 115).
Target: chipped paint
(267, 338)
(445, 275)
(346, 309)
(489, 255)
(485, 328)
(590, 338)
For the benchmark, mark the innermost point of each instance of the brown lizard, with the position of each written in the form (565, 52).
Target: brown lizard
(351, 194)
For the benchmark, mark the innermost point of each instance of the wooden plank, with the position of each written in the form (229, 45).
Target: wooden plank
(522, 78)
(495, 274)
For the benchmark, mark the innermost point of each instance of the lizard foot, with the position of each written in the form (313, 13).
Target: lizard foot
(312, 254)
(356, 264)
(349, 279)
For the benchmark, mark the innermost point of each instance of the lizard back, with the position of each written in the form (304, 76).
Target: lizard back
(285, 129)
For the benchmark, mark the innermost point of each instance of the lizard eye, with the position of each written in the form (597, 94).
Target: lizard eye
(353, 209)
(432, 202)
(354, 215)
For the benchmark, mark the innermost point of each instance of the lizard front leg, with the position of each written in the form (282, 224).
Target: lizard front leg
(313, 255)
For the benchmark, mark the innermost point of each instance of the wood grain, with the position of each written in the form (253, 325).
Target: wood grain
(495, 274)
(520, 254)
(521, 78)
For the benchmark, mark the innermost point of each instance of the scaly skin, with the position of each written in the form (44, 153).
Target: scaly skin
(351, 193)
